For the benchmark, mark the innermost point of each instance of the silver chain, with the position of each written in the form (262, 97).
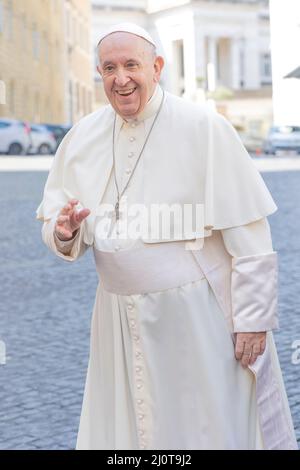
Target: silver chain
(114, 158)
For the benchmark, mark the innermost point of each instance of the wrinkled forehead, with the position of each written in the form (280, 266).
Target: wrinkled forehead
(123, 44)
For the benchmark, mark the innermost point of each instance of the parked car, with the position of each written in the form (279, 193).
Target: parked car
(14, 137)
(42, 140)
(282, 138)
(59, 131)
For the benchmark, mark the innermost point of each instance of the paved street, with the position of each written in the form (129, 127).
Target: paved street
(46, 307)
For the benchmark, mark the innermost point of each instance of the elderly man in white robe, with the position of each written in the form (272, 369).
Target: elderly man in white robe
(182, 354)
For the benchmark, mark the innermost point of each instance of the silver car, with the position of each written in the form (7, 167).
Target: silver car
(14, 137)
(282, 138)
(43, 141)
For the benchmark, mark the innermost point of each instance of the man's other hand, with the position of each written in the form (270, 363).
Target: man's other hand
(69, 220)
(248, 346)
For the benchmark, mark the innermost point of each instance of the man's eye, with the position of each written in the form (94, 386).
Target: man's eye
(109, 68)
(131, 64)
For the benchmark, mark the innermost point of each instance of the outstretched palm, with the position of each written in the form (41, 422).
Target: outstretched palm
(69, 220)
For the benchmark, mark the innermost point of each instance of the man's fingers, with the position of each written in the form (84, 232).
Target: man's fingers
(66, 209)
(78, 217)
(262, 347)
(63, 233)
(246, 357)
(255, 353)
(69, 207)
(239, 349)
(62, 219)
(83, 214)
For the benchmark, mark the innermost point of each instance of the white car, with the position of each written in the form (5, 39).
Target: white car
(43, 141)
(14, 137)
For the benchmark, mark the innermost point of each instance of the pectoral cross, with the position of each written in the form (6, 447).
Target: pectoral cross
(114, 216)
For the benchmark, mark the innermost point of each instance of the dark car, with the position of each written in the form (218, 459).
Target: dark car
(58, 130)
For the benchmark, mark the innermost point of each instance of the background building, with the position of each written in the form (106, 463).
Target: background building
(218, 49)
(285, 40)
(214, 49)
(78, 59)
(46, 60)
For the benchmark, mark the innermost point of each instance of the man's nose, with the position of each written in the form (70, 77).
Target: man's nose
(121, 78)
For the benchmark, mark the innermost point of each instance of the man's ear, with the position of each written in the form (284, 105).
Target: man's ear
(99, 70)
(158, 66)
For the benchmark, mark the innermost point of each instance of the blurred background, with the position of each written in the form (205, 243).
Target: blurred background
(239, 54)
(242, 57)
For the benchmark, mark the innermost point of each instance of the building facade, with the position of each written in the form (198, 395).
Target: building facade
(285, 40)
(30, 60)
(45, 60)
(214, 49)
(78, 59)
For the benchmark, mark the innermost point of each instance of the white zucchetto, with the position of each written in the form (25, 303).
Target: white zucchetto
(128, 28)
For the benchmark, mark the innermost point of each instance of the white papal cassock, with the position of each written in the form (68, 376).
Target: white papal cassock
(162, 372)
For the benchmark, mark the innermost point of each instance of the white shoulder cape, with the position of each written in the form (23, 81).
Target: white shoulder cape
(193, 156)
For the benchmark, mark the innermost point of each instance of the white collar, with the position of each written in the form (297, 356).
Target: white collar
(150, 109)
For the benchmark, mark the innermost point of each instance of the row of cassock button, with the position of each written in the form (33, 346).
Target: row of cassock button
(138, 373)
(127, 171)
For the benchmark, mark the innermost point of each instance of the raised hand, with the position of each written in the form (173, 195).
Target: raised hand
(248, 346)
(69, 220)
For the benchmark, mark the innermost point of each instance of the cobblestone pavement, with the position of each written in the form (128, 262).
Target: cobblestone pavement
(46, 307)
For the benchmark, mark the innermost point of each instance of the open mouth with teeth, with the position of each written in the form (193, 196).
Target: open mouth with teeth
(126, 92)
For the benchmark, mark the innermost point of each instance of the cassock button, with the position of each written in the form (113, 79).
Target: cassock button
(140, 401)
(128, 171)
(132, 139)
(130, 306)
(131, 154)
(141, 416)
(141, 432)
(117, 247)
(139, 384)
(136, 337)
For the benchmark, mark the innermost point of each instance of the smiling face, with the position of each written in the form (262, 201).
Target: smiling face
(130, 70)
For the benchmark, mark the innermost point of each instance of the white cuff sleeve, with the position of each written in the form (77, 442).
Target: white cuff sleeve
(254, 293)
(68, 250)
(254, 276)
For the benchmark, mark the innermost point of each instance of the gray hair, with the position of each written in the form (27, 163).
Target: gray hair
(148, 46)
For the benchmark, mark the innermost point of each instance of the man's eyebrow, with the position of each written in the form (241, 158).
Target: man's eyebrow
(109, 62)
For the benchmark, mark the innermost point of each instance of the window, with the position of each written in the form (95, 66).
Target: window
(12, 98)
(2, 92)
(4, 125)
(35, 43)
(46, 48)
(78, 97)
(1, 16)
(23, 35)
(10, 20)
(266, 68)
